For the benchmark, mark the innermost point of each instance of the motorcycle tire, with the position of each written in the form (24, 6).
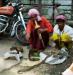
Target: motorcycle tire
(20, 35)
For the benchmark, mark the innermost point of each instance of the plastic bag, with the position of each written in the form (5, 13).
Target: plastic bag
(57, 59)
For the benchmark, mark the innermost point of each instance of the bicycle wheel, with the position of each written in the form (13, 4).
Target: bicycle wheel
(20, 35)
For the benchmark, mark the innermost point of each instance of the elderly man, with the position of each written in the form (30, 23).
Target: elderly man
(63, 33)
(38, 25)
(38, 30)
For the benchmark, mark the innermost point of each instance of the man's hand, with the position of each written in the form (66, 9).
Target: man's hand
(42, 30)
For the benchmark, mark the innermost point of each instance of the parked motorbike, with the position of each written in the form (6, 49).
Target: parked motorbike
(14, 24)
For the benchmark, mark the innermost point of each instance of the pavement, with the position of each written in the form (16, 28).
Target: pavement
(9, 68)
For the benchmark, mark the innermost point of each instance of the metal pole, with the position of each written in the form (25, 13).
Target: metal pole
(72, 9)
(40, 6)
(53, 11)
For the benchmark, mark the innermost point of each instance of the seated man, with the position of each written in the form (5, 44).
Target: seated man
(63, 33)
(37, 31)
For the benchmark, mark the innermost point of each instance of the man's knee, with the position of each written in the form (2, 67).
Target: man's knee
(65, 37)
(55, 37)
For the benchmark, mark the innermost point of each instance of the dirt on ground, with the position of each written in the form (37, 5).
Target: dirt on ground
(43, 69)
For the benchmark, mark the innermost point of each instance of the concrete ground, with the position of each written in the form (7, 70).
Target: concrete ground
(43, 69)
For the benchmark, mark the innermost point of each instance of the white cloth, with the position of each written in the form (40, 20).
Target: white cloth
(13, 54)
(67, 72)
(67, 29)
(55, 60)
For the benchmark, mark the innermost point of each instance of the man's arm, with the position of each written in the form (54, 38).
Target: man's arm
(48, 25)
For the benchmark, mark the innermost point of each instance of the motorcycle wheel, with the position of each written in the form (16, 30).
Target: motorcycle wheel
(20, 35)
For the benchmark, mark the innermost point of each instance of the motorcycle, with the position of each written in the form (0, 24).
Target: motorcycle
(14, 24)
